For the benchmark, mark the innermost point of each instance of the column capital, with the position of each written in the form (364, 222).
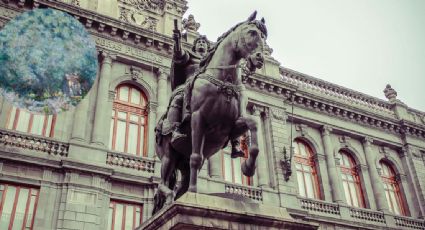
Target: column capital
(162, 73)
(367, 141)
(256, 110)
(326, 130)
(107, 57)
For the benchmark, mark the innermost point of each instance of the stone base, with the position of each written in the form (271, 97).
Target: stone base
(200, 211)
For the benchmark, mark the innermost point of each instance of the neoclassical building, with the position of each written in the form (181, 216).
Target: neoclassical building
(358, 162)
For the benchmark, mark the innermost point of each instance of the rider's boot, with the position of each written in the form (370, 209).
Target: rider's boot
(236, 149)
(177, 137)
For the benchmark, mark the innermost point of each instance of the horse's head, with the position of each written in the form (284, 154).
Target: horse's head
(252, 36)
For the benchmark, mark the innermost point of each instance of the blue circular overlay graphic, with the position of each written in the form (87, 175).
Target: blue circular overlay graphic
(48, 62)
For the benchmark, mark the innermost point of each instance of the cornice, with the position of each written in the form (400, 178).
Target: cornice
(102, 24)
(384, 121)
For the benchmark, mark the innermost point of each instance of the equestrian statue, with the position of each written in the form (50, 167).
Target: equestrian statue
(207, 107)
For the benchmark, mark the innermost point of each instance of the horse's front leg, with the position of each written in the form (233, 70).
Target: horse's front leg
(198, 139)
(241, 126)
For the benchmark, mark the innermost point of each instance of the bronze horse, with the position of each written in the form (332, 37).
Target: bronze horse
(217, 110)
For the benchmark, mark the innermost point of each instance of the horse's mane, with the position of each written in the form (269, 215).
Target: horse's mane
(207, 58)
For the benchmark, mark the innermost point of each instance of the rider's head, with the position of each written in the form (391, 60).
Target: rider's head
(201, 45)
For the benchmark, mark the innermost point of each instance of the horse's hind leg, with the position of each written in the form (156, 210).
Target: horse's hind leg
(241, 126)
(168, 165)
(184, 183)
(198, 139)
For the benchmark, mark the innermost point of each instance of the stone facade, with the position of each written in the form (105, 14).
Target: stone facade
(78, 175)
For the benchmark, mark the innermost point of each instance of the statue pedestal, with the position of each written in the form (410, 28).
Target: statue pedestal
(200, 211)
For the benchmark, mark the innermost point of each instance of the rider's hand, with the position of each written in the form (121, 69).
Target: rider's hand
(177, 35)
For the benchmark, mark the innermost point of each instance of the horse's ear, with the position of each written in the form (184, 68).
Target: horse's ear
(263, 21)
(253, 16)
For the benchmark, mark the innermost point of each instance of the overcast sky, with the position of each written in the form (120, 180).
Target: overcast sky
(359, 44)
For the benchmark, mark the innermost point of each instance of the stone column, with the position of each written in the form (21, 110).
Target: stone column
(263, 169)
(215, 166)
(377, 186)
(80, 120)
(162, 96)
(153, 108)
(101, 121)
(411, 160)
(334, 179)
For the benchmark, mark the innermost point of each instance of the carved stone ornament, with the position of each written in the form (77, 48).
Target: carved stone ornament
(279, 114)
(390, 93)
(143, 5)
(190, 24)
(134, 72)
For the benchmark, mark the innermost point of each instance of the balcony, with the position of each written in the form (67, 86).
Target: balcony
(320, 206)
(368, 215)
(130, 161)
(409, 222)
(33, 142)
(245, 191)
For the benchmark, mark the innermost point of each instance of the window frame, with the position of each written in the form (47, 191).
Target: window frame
(352, 171)
(18, 188)
(246, 181)
(140, 110)
(392, 181)
(14, 116)
(113, 203)
(309, 161)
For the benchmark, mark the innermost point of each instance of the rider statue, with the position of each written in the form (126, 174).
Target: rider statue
(185, 64)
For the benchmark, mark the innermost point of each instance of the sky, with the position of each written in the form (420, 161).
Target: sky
(359, 44)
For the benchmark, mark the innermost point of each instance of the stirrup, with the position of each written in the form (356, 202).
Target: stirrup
(236, 153)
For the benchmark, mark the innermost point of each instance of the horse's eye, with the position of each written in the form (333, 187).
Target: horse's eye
(253, 32)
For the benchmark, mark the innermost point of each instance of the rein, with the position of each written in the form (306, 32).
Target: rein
(228, 89)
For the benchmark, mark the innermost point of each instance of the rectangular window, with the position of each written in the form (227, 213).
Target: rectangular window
(124, 216)
(17, 207)
(232, 169)
(24, 121)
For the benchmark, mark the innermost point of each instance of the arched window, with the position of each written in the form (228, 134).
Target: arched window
(24, 121)
(308, 183)
(129, 121)
(351, 180)
(232, 167)
(392, 189)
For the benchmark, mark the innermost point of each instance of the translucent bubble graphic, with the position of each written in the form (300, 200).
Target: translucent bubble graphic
(48, 61)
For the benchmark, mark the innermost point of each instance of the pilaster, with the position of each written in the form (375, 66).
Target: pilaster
(377, 186)
(334, 177)
(102, 112)
(162, 75)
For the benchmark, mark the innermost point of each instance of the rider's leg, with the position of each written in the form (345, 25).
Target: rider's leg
(174, 116)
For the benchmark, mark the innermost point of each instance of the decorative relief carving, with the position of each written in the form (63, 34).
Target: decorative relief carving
(124, 14)
(279, 114)
(326, 130)
(135, 72)
(143, 5)
(75, 2)
(302, 128)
